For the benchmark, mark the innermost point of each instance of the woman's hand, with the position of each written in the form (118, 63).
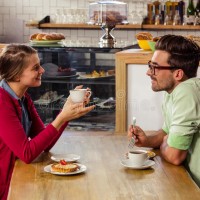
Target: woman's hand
(72, 110)
(87, 97)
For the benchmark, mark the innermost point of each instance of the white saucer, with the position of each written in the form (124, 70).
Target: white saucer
(147, 164)
(82, 169)
(66, 157)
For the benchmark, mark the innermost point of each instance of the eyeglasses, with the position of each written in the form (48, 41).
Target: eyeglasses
(152, 67)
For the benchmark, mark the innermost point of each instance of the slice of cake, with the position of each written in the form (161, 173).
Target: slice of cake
(64, 167)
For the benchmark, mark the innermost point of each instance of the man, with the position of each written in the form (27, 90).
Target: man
(173, 69)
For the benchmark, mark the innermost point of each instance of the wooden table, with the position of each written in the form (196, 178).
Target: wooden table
(105, 178)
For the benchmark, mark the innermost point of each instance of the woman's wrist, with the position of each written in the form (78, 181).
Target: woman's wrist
(58, 122)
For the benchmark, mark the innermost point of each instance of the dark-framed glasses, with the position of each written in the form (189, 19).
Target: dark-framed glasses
(153, 67)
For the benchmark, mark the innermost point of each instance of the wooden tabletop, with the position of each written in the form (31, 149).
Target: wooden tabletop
(105, 177)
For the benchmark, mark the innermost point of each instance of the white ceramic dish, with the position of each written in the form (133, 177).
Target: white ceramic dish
(84, 76)
(60, 77)
(44, 41)
(83, 168)
(147, 164)
(66, 157)
(51, 71)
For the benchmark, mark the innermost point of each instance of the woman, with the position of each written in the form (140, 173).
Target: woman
(22, 133)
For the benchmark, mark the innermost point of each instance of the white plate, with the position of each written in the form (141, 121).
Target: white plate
(44, 41)
(84, 76)
(51, 71)
(147, 164)
(46, 102)
(60, 77)
(82, 169)
(66, 157)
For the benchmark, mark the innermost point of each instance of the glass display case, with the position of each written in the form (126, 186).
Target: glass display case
(67, 66)
(102, 12)
(108, 14)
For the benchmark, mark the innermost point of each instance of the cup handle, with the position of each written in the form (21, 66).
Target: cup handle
(89, 93)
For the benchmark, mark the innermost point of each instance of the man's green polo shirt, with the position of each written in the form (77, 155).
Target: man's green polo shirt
(181, 111)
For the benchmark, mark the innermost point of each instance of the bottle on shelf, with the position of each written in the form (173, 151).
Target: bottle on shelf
(168, 5)
(169, 17)
(197, 8)
(190, 13)
(158, 19)
(157, 7)
(174, 4)
(177, 19)
(197, 13)
(162, 11)
(150, 13)
(181, 9)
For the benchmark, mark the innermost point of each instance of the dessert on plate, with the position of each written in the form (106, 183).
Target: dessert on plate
(64, 167)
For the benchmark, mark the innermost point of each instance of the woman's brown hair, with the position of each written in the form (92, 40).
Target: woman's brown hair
(13, 60)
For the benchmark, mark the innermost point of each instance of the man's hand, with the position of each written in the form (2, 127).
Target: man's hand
(139, 135)
(143, 140)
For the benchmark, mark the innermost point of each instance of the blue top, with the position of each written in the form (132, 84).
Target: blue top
(25, 118)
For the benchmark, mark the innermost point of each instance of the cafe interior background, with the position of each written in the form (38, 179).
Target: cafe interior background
(17, 15)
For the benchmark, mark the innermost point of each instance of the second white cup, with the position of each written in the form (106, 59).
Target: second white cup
(78, 95)
(137, 157)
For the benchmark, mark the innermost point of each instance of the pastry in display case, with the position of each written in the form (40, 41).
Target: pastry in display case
(104, 12)
(108, 14)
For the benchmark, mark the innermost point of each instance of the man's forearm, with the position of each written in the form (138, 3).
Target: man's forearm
(172, 155)
(156, 140)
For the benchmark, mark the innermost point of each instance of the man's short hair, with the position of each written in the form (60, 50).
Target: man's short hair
(184, 53)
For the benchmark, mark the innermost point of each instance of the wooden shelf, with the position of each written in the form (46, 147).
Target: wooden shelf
(122, 27)
(79, 26)
(171, 27)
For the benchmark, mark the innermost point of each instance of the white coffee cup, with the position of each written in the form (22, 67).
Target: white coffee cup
(137, 157)
(78, 95)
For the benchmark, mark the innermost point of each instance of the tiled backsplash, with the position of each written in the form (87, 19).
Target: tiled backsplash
(15, 13)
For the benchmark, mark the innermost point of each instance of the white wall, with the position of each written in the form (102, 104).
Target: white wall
(143, 103)
(15, 13)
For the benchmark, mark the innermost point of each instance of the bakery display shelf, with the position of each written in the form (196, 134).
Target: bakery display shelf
(57, 106)
(104, 124)
(123, 27)
(108, 81)
(85, 60)
(81, 26)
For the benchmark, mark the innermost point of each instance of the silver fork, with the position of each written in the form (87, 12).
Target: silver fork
(132, 140)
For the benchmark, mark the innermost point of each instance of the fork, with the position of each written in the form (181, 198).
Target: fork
(132, 140)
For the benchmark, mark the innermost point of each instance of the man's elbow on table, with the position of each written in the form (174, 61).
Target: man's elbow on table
(172, 155)
(175, 161)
